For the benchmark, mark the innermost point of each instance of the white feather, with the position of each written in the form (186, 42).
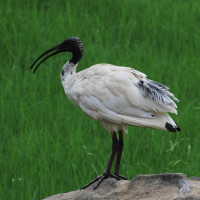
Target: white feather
(119, 96)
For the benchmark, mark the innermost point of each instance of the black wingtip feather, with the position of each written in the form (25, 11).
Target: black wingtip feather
(178, 128)
(170, 128)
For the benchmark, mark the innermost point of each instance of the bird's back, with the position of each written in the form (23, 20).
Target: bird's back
(119, 96)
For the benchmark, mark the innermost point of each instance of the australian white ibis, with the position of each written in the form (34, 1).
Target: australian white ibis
(116, 96)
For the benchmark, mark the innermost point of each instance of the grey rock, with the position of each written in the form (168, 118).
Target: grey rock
(194, 178)
(168, 186)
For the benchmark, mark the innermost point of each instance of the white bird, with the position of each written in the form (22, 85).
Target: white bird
(116, 96)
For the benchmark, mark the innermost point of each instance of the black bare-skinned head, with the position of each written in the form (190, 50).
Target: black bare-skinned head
(72, 44)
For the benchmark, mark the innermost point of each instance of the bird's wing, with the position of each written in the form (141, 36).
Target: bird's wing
(111, 90)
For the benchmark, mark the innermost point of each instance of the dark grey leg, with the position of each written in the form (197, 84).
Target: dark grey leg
(119, 154)
(112, 156)
(106, 173)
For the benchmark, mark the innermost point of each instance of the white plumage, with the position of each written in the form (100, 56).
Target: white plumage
(116, 96)
(119, 96)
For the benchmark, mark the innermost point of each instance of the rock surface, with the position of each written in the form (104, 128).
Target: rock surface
(168, 186)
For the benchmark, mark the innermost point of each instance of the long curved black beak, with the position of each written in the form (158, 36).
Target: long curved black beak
(60, 48)
(72, 44)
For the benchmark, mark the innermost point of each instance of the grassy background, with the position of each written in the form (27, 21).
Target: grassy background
(48, 145)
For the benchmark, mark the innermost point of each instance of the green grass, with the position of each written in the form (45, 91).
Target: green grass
(48, 145)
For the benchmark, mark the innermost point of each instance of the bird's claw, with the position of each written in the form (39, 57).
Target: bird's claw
(100, 179)
(121, 177)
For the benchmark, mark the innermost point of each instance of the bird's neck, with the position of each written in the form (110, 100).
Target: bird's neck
(68, 69)
(68, 74)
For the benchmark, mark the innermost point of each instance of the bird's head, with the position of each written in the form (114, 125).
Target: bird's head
(72, 44)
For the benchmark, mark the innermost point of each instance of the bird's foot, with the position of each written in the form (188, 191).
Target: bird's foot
(100, 179)
(121, 177)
